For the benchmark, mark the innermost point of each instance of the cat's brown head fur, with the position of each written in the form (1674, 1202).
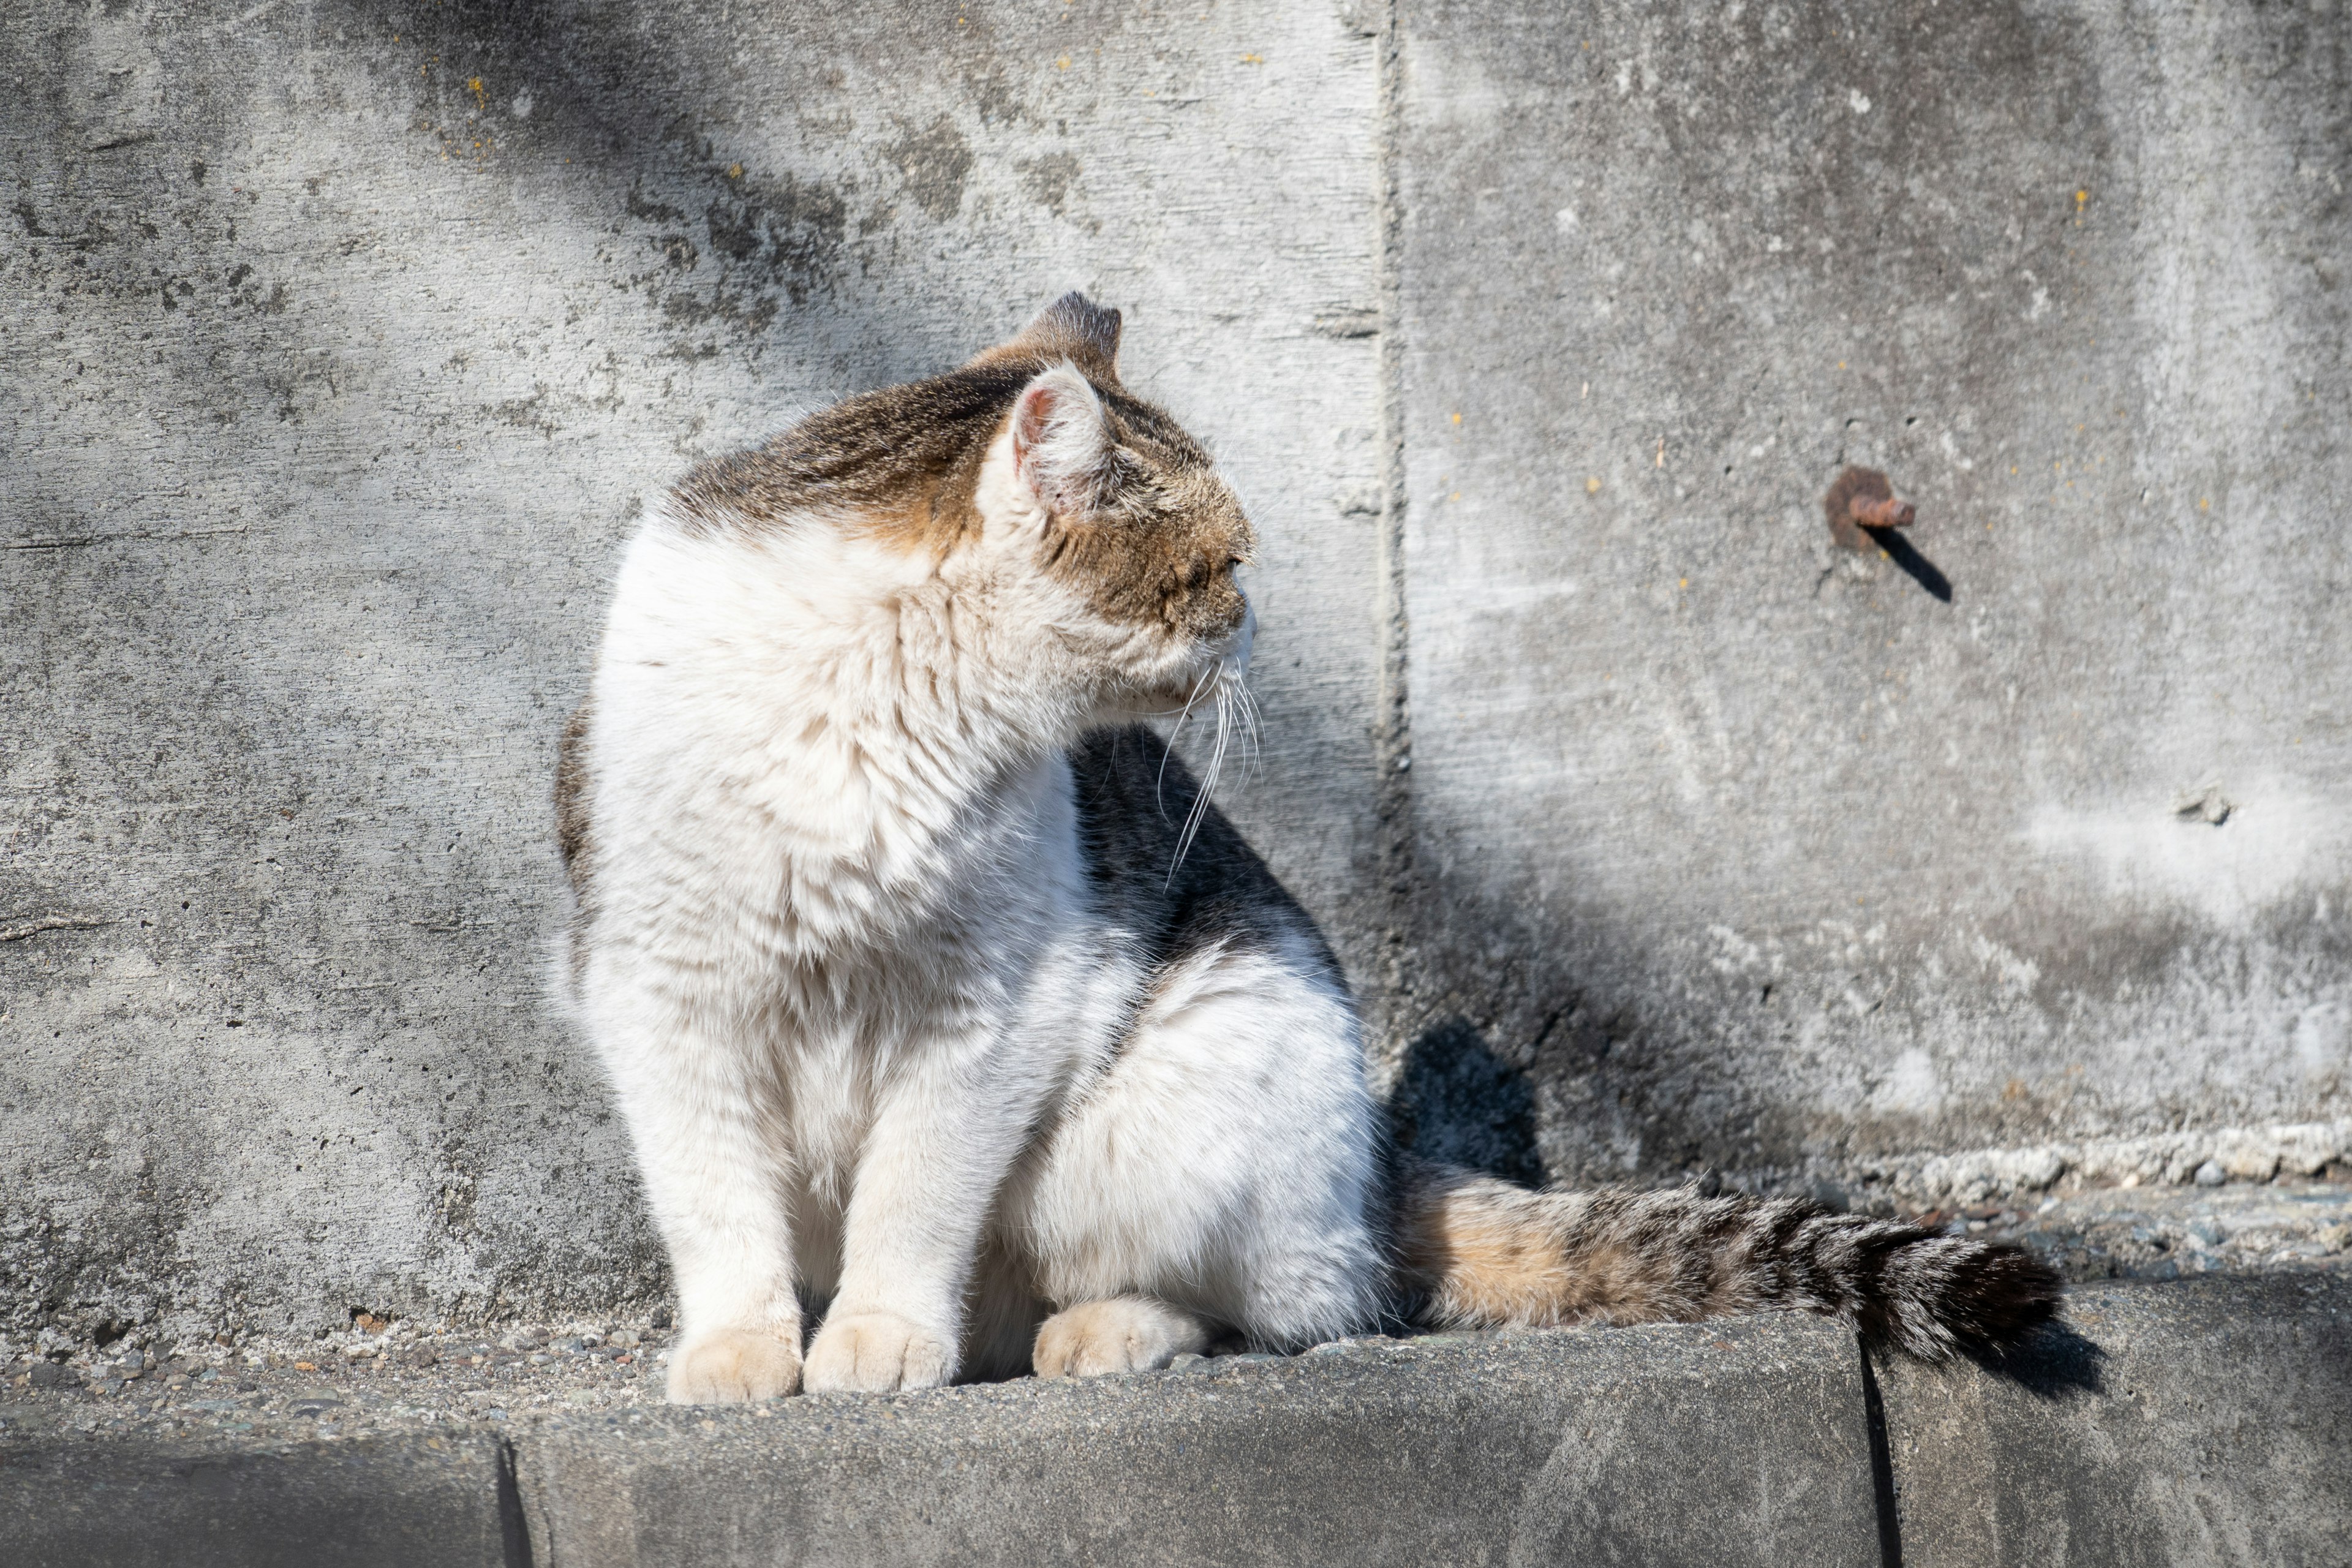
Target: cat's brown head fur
(1140, 522)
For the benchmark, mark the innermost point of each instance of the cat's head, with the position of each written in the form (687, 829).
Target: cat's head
(1105, 496)
(1098, 540)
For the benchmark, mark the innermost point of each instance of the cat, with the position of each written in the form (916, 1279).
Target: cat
(939, 1000)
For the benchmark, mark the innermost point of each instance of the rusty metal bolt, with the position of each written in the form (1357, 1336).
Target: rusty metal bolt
(1862, 499)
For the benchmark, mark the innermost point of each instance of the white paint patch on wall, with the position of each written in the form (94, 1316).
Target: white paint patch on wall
(2281, 836)
(1912, 1086)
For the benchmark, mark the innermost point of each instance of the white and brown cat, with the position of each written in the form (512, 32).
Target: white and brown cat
(925, 1015)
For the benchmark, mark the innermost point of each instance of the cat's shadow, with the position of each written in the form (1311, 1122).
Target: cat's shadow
(2054, 1363)
(1458, 1102)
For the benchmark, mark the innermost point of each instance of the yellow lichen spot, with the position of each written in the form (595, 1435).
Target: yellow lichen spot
(1253, 59)
(1063, 64)
(2012, 468)
(1684, 583)
(2204, 503)
(734, 170)
(1455, 496)
(1458, 419)
(2081, 197)
(1593, 486)
(1841, 364)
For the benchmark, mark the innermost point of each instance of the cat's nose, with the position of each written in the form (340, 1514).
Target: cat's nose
(1237, 647)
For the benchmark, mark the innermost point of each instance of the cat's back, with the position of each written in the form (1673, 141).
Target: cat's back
(1133, 798)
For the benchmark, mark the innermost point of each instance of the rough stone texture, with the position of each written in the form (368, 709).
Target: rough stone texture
(396, 1502)
(2252, 1155)
(2195, 1422)
(2203, 1423)
(2164, 1233)
(1536, 1447)
(1751, 853)
(1547, 1447)
(340, 345)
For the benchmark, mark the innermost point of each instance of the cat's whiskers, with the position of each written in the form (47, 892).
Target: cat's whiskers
(1183, 715)
(1233, 696)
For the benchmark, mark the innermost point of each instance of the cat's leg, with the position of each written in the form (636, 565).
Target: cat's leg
(1224, 1165)
(701, 1107)
(948, 1121)
(1124, 1333)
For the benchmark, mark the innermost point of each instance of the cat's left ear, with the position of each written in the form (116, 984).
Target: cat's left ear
(1060, 440)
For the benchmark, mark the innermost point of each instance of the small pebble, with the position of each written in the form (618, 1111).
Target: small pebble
(2210, 1174)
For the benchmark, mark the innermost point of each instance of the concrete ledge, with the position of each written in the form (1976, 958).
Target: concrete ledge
(1729, 1443)
(397, 1501)
(2203, 1422)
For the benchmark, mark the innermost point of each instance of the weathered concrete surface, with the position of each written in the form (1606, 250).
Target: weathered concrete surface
(397, 1503)
(1730, 1444)
(340, 345)
(1733, 850)
(2199, 1422)
(1733, 1443)
(2165, 1233)
(2202, 1423)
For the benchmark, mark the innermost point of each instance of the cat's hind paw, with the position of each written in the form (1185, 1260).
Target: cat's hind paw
(733, 1366)
(1125, 1334)
(875, 1352)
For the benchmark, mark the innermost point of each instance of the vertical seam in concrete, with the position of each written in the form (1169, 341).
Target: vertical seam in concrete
(1392, 728)
(514, 1519)
(1882, 1464)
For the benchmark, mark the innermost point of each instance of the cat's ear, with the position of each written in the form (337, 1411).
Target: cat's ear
(1060, 441)
(1076, 329)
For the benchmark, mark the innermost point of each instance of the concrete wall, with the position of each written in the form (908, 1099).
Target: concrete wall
(344, 343)
(340, 344)
(1752, 851)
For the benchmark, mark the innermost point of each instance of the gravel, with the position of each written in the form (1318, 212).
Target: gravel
(2166, 1232)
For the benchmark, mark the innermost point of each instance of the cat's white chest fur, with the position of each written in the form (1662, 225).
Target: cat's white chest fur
(789, 812)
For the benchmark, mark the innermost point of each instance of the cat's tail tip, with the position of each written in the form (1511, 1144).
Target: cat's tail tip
(1939, 1296)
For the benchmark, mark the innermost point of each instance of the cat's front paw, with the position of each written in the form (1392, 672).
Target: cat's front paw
(732, 1366)
(875, 1352)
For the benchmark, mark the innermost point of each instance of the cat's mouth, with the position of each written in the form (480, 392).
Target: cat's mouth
(1216, 669)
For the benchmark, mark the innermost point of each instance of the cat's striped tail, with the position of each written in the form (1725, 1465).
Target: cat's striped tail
(1484, 1253)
